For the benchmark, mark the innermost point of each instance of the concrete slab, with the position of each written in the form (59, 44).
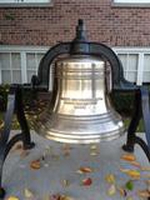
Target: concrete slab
(58, 166)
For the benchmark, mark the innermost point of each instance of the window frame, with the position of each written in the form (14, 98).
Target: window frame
(140, 52)
(133, 3)
(26, 4)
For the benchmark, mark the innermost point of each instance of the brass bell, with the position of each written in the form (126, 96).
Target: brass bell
(81, 111)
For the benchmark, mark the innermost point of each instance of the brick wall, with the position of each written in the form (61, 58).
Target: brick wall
(113, 26)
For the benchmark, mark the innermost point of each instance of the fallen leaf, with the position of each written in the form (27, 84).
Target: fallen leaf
(93, 153)
(65, 183)
(60, 197)
(122, 191)
(146, 176)
(128, 157)
(129, 198)
(129, 185)
(55, 197)
(87, 182)
(145, 168)
(85, 170)
(93, 147)
(148, 185)
(66, 198)
(35, 164)
(1, 124)
(110, 178)
(132, 173)
(112, 190)
(28, 193)
(13, 198)
(135, 163)
(143, 193)
(66, 150)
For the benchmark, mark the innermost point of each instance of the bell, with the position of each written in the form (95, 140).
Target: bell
(80, 110)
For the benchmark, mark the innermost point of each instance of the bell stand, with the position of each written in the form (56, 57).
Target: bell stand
(40, 82)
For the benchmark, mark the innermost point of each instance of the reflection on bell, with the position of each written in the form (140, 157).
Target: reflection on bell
(81, 112)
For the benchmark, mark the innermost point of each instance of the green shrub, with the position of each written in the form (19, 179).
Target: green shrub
(123, 103)
(4, 89)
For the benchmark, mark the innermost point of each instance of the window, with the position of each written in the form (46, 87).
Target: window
(141, 3)
(135, 62)
(132, 1)
(19, 63)
(9, 3)
(10, 67)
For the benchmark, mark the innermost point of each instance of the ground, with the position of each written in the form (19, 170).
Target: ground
(61, 171)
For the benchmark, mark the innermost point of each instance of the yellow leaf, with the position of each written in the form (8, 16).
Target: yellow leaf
(110, 178)
(132, 173)
(13, 198)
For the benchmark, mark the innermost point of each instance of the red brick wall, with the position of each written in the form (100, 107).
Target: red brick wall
(113, 26)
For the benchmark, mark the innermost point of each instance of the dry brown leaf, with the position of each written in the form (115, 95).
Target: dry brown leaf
(128, 157)
(122, 191)
(135, 163)
(85, 170)
(1, 124)
(147, 176)
(35, 164)
(148, 185)
(60, 197)
(143, 193)
(145, 168)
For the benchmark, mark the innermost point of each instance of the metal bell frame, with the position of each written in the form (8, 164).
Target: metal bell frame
(40, 82)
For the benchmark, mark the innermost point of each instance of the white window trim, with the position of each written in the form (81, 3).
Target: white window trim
(137, 51)
(26, 4)
(131, 3)
(24, 50)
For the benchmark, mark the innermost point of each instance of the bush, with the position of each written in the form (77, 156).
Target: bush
(123, 103)
(4, 89)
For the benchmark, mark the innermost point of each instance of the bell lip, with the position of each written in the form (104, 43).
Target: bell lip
(80, 140)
